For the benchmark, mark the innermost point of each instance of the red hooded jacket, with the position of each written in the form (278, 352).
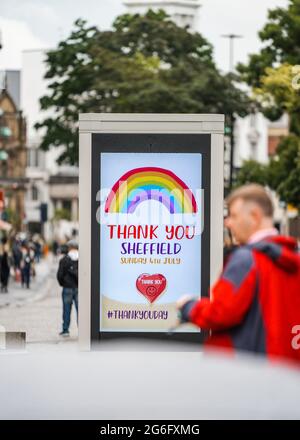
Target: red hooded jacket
(255, 305)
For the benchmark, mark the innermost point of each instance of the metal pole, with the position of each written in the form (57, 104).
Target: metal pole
(231, 38)
(232, 145)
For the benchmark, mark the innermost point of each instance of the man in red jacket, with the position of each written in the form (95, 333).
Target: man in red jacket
(255, 304)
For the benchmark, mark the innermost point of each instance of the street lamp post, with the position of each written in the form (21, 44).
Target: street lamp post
(231, 38)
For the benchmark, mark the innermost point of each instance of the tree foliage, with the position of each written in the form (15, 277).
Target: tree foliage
(274, 74)
(280, 93)
(252, 172)
(281, 39)
(284, 171)
(145, 64)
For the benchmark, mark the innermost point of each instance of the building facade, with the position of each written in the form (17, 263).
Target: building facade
(49, 184)
(183, 12)
(251, 135)
(13, 182)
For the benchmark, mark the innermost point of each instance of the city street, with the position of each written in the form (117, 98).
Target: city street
(37, 311)
(149, 177)
(17, 295)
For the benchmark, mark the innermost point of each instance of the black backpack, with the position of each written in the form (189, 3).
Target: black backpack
(72, 269)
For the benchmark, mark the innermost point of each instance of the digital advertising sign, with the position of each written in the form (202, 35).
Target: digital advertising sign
(150, 223)
(150, 239)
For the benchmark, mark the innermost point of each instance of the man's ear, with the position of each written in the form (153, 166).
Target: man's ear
(256, 213)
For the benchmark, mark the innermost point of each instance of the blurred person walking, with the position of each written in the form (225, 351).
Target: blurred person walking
(55, 249)
(255, 304)
(4, 266)
(25, 265)
(32, 253)
(17, 254)
(16, 258)
(37, 250)
(67, 276)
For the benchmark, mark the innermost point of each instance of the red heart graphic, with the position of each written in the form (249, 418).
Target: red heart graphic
(151, 286)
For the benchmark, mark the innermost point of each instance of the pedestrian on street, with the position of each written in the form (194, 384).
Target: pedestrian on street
(38, 250)
(32, 254)
(67, 276)
(25, 265)
(4, 266)
(255, 304)
(17, 254)
(55, 249)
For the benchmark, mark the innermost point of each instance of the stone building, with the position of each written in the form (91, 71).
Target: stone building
(12, 161)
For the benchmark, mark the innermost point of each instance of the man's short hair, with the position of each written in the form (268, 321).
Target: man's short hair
(72, 244)
(253, 193)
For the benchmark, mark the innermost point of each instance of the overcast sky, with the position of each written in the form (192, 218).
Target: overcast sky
(32, 24)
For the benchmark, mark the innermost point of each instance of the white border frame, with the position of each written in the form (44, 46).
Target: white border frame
(90, 123)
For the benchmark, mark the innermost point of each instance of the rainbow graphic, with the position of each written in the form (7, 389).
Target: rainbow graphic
(150, 183)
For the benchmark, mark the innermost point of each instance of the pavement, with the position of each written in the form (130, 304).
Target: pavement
(145, 386)
(19, 295)
(53, 380)
(38, 311)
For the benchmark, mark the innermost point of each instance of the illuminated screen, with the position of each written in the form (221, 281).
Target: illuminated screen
(151, 221)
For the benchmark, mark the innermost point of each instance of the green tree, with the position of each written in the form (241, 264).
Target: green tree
(284, 171)
(252, 172)
(61, 214)
(280, 93)
(144, 64)
(277, 95)
(274, 77)
(281, 40)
